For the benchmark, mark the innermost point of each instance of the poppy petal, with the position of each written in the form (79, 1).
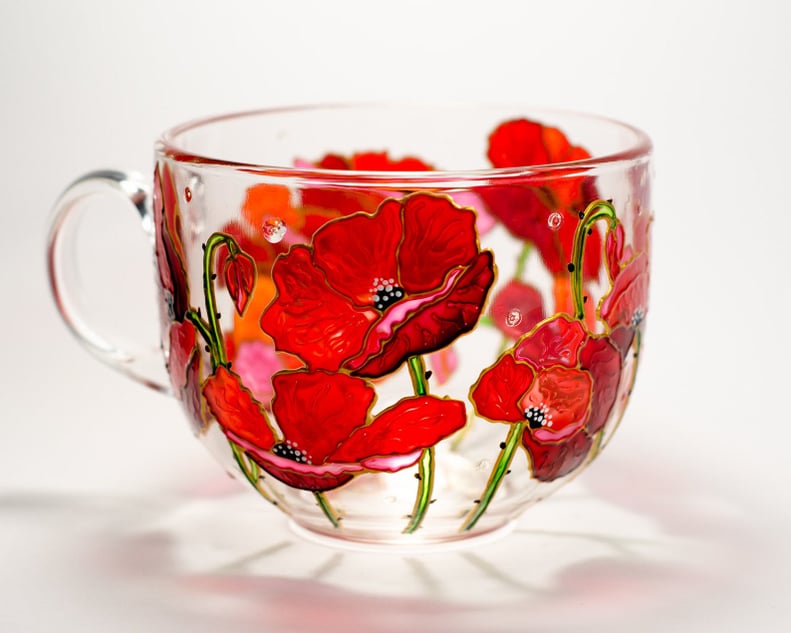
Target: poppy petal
(307, 318)
(356, 250)
(424, 326)
(613, 248)
(409, 425)
(628, 297)
(317, 411)
(600, 357)
(551, 461)
(169, 253)
(438, 236)
(316, 478)
(235, 409)
(623, 337)
(561, 398)
(172, 214)
(183, 338)
(518, 143)
(498, 391)
(555, 342)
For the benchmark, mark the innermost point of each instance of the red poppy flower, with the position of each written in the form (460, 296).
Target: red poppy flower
(525, 208)
(168, 248)
(624, 308)
(327, 433)
(377, 288)
(561, 380)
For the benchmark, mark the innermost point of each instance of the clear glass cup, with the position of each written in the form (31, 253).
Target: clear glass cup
(398, 324)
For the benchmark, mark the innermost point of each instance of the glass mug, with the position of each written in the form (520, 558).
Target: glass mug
(398, 324)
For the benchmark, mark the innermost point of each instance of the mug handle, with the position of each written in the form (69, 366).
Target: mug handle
(142, 363)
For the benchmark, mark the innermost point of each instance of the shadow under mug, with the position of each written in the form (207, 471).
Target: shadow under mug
(398, 324)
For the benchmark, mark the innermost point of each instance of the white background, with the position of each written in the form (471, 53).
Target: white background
(90, 463)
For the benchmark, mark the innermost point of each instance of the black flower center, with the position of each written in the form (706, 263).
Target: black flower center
(538, 416)
(170, 302)
(385, 292)
(290, 451)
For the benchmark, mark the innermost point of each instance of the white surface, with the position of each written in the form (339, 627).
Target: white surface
(112, 518)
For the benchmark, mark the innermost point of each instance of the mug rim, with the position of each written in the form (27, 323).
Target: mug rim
(167, 146)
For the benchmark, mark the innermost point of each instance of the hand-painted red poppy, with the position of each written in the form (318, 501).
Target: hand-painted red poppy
(563, 381)
(517, 308)
(625, 307)
(239, 273)
(168, 247)
(327, 433)
(375, 289)
(525, 208)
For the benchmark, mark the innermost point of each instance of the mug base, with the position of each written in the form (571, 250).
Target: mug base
(403, 544)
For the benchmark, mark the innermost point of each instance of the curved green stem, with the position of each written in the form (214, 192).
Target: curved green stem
(597, 210)
(417, 371)
(217, 345)
(498, 472)
(327, 509)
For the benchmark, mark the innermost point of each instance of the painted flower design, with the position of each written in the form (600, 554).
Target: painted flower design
(327, 433)
(239, 273)
(185, 367)
(625, 307)
(347, 200)
(560, 381)
(525, 208)
(168, 248)
(375, 289)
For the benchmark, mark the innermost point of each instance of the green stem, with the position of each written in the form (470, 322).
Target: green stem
(597, 210)
(203, 328)
(328, 510)
(417, 371)
(217, 345)
(424, 490)
(498, 472)
(250, 471)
